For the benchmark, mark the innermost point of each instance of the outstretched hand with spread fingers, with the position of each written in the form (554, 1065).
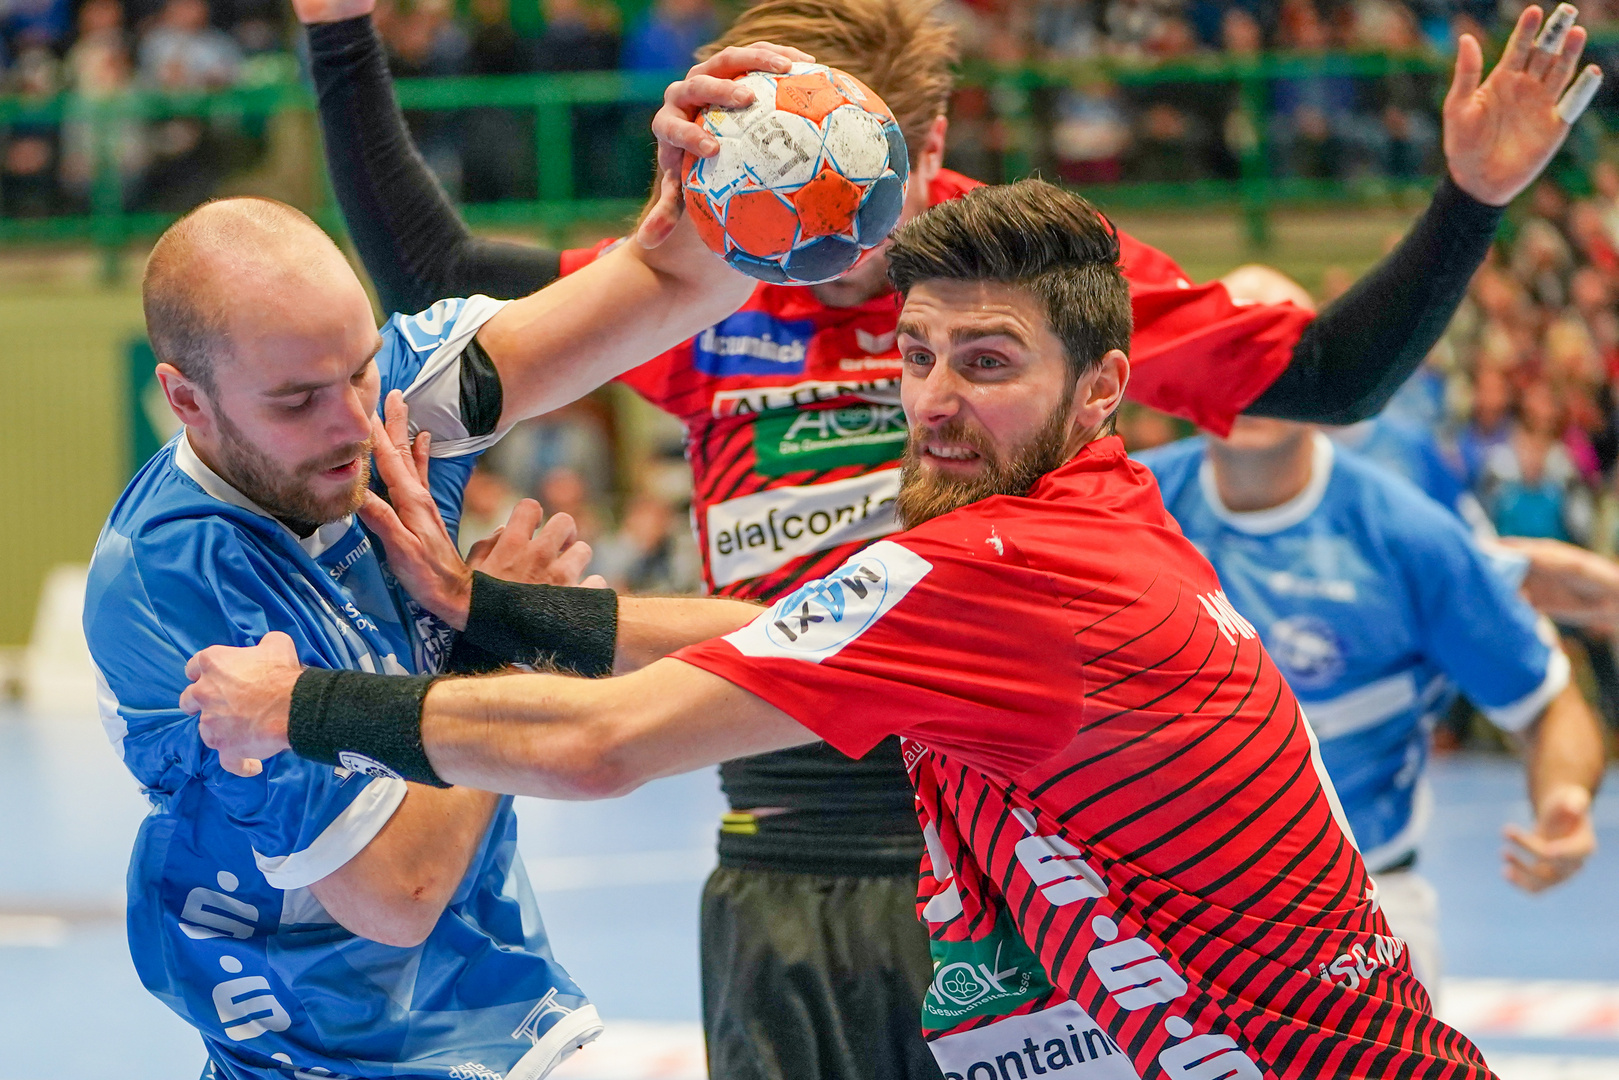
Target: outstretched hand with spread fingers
(1500, 132)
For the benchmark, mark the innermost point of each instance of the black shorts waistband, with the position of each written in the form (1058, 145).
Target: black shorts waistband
(809, 843)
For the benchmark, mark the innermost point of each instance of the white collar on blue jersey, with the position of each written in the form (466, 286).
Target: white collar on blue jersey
(1276, 518)
(212, 484)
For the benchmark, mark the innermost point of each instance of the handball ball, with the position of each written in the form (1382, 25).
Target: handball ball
(807, 177)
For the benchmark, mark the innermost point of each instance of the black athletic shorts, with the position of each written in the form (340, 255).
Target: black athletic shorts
(814, 977)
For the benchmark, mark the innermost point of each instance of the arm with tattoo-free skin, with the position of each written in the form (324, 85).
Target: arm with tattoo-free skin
(552, 736)
(1563, 761)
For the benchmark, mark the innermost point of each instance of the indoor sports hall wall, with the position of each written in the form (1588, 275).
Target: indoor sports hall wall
(62, 429)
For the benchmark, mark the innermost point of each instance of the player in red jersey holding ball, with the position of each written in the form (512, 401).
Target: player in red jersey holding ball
(1136, 865)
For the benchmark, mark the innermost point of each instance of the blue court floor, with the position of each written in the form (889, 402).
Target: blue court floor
(1535, 980)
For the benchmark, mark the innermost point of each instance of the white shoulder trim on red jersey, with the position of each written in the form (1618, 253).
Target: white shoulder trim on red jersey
(816, 621)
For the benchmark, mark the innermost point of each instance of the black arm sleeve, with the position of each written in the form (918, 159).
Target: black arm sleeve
(1349, 362)
(414, 244)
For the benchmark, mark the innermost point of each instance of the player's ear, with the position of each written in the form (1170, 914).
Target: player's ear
(931, 159)
(1100, 391)
(186, 399)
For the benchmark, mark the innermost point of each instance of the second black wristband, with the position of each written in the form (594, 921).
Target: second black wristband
(366, 723)
(569, 627)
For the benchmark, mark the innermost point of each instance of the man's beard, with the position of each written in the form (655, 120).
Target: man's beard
(925, 494)
(288, 496)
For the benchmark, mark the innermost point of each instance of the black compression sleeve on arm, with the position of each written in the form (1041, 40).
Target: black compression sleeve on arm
(412, 241)
(568, 627)
(371, 724)
(1349, 362)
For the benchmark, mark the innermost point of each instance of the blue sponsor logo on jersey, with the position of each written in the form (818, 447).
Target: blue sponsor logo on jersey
(1308, 651)
(426, 331)
(753, 343)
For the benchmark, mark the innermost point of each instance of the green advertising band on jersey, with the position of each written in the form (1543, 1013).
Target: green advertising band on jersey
(804, 440)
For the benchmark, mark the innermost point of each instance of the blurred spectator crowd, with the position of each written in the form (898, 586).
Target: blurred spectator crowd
(1090, 128)
(1079, 120)
(631, 506)
(1513, 419)
(1519, 398)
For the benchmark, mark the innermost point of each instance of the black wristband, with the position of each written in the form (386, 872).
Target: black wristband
(366, 723)
(467, 659)
(559, 625)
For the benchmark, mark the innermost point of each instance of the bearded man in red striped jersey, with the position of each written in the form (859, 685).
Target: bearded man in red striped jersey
(1136, 865)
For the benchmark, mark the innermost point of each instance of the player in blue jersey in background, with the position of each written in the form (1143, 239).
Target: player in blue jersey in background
(1379, 605)
(311, 921)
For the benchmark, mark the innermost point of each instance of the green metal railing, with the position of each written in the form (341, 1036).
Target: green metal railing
(554, 99)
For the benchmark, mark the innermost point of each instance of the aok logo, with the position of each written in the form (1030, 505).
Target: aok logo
(812, 428)
(965, 984)
(828, 438)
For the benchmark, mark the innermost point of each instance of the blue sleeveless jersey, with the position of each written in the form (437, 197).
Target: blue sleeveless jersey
(222, 924)
(1378, 605)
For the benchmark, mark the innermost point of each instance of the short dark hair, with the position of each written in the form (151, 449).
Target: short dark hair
(1038, 237)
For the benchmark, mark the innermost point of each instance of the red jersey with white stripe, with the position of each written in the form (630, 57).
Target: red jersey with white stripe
(1135, 862)
(793, 421)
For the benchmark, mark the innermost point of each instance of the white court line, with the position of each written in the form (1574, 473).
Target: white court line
(640, 1050)
(32, 931)
(1532, 1009)
(1550, 1067)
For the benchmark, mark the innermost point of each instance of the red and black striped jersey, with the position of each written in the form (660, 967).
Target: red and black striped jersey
(793, 420)
(1135, 860)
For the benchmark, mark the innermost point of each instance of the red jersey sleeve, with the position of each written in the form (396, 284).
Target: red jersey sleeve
(923, 639)
(1195, 352)
(664, 379)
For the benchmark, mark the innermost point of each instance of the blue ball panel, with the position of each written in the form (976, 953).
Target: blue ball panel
(879, 211)
(763, 269)
(822, 260)
(898, 159)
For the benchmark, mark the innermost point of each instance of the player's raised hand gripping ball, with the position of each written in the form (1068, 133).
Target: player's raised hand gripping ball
(807, 177)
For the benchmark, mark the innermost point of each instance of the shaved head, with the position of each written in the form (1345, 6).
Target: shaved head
(266, 344)
(225, 254)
